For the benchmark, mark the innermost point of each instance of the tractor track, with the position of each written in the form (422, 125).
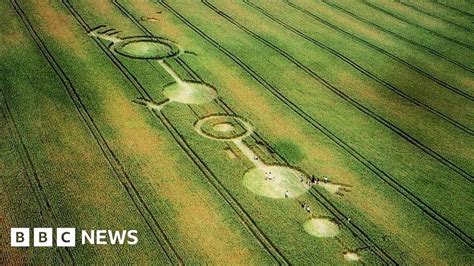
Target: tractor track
(31, 174)
(398, 36)
(245, 218)
(434, 16)
(454, 8)
(404, 135)
(389, 13)
(356, 231)
(385, 52)
(387, 178)
(87, 119)
(364, 71)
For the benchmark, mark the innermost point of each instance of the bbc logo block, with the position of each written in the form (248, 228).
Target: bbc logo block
(43, 237)
(66, 237)
(20, 237)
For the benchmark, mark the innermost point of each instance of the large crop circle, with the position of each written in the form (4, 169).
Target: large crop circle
(190, 92)
(274, 180)
(146, 48)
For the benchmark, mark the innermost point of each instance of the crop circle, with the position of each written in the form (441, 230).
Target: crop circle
(321, 227)
(351, 256)
(223, 127)
(146, 48)
(274, 180)
(190, 92)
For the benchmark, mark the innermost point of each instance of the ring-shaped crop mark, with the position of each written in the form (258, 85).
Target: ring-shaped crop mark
(214, 127)
(145, 48)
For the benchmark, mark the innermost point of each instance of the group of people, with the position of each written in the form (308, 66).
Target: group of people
(306, 207)
(313, 180)
(268, 176)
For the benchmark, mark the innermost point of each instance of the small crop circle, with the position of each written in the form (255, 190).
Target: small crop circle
(223, 127)
(321, 227)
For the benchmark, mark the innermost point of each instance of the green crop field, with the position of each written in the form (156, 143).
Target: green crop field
(237, 132)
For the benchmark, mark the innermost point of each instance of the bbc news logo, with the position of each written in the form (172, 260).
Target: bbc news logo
(66, 237)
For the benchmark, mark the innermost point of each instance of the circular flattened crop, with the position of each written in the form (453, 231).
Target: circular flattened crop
(190, 92)
(223, 127)
(321, 227)
(273, 181)
(146, 48)
(351, 256)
